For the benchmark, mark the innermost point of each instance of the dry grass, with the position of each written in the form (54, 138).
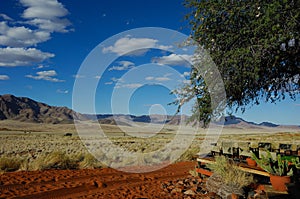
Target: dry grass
(89, 162)
(10, 164)
(230, 173)
(53, 160)
(47, 148)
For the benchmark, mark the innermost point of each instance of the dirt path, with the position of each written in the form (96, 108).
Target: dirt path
(90, 183)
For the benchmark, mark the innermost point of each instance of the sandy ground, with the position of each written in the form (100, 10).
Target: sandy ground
(106, 182)
(91, 183)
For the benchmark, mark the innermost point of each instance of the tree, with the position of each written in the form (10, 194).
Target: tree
(254, 44)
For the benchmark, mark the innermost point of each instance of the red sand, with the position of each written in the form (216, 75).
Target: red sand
(90, 183)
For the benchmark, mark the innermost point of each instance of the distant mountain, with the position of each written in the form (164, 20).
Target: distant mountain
(234, 121)
(268, 124)
(27, 110)
(124, 119)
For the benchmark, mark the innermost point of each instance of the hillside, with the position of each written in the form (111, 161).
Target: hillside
(124, 119)
(27, 110)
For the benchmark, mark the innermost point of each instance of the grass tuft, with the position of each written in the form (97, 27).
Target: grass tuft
(10, 164)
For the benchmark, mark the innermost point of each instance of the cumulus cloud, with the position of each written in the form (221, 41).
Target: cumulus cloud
(128, 45)
(49, 75)
(18, 39)
(10, 57)
(21, 36)
(46, 15)
(5, 17)
(123, 65)
(174, 60)
(4, 77)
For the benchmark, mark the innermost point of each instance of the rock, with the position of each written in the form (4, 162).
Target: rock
(180, 182)
(176, 190)
(171, 187)
(189, 192)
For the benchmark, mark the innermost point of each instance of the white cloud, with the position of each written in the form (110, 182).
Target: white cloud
(18, 37)
(41, 66)
(4, 77)
(5, 17)
(149, 78)
(10, 57)
(46, 75)
(123, 65)
(78, 76)
(130, 85)
(114, 79)
(162, 79)
(62, 91)
(21, 36)
(126, 45)
(174, 60)
(186, 74)
(97, 76)
(159, 79)
(46, 15)
(46, 9)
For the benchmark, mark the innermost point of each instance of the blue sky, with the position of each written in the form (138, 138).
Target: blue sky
(43, 43)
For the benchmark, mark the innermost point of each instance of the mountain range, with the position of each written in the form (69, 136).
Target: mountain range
(27, 110)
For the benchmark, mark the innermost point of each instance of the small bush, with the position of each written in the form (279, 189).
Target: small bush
(89, 162)
(54, 160)
(10, 163)
(230, 173)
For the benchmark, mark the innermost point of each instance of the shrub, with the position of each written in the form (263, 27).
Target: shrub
(54, 160)
(230, 173)
(89, 162)
(10, 163)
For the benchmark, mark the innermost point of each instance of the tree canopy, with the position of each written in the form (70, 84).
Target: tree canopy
(254, 44)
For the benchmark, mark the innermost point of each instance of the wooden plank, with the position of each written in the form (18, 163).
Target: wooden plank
(241, 167)
(254, 171)
(204, 171)
(205, 160)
